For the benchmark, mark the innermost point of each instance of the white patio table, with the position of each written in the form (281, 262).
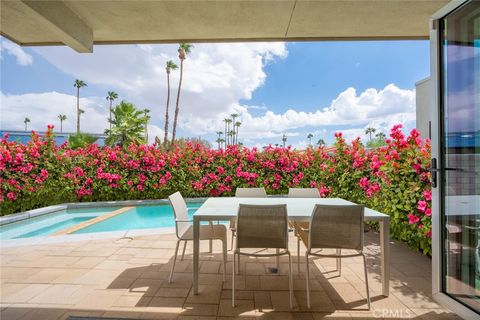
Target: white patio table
(226, 208)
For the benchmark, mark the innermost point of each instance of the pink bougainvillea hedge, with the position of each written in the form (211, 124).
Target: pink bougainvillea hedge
(393, 179)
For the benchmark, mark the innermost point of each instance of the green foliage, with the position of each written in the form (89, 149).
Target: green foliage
(128, 125)
(81, 140)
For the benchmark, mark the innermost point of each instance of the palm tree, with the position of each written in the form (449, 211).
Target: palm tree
(128, 126)
(381, 136)
(169, 67)
(227, 130)
(78, 84)
(369, 131)
(234, 116)
(309, 137)
(62, 118)
(26, 121)
(219, 139)
(111, 95)
(321, 143)
(183, 49)
(231, 134)
(236, 126)
(284, 139)
(147, 117)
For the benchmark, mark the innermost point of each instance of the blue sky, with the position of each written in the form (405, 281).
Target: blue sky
(297, 88)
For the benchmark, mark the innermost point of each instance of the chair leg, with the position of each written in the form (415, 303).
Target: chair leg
(307, 276)
(238, 264)
(298, 254)
(339, 262)
(290, 279)
(224, 258)
(366, 280)
(233, 278)
(174, 261)
(277, 261)
(231, 243)
(183, 251)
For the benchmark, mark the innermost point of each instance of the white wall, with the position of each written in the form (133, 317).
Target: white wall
(423, 100)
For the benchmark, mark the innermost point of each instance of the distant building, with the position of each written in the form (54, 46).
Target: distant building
(23, 137)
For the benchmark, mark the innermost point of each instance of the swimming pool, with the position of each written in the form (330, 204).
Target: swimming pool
(60, 222)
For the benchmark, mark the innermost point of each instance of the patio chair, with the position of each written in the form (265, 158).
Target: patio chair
(262, 226)
(184, 230)
(335, 227)
(297, 226)
(245, 193)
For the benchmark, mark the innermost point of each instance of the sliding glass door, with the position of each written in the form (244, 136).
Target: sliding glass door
(459, 153)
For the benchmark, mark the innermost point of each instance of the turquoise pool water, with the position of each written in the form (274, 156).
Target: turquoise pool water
(139, 217)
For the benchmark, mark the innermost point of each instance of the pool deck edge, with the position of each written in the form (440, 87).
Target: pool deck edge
(90, 222)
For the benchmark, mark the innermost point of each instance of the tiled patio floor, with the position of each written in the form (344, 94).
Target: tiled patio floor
(128, 279)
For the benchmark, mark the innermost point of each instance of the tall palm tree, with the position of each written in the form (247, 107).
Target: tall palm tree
(369, 131)
(233, 116)
(78, 84)
(219, 133)
(309, 137)
(111, 95)
(26, 121)
(183, 50)
(147, 117)
(284, 139)
(169, 67)
(128, 126)
(226, 120)
(62, 118)
(236, 126)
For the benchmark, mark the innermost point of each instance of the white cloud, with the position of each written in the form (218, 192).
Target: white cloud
(216, 76)
(43, 109)
(377, 108)
(23, 58)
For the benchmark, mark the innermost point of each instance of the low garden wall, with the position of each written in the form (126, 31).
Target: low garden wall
(393, 179)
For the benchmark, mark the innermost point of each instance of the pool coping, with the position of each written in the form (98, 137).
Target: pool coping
(67, 238)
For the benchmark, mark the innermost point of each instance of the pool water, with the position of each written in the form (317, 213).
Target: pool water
(139, 217)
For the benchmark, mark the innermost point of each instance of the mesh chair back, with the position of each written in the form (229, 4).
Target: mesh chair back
(303, 193)
(180, 211)
(262, 226)
(250, 193)
(335, 226)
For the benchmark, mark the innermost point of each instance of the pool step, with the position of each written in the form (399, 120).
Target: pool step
(91, 222)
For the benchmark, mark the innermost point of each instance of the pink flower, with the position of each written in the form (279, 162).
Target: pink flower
(412, 219)
(428, 195)
(11, 196)
(428, 212)
(363, 182)
(422, 206)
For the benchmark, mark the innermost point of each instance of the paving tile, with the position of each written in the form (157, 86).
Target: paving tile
(130, 279)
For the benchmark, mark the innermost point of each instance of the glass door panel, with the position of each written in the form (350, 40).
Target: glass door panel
(460, 127)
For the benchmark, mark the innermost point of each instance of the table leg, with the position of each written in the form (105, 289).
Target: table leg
(196, 251)
(385, 249)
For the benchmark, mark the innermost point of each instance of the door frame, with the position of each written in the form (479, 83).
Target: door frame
(436, 136)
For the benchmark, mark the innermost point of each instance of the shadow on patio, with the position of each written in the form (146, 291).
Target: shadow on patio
(129, 279)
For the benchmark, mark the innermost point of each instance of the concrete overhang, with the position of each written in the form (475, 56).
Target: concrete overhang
(80, 24)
